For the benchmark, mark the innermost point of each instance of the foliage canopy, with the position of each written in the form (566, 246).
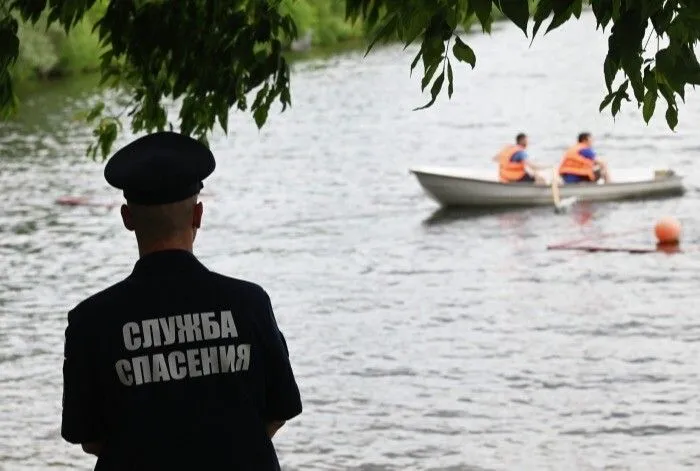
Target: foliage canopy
(216, 54)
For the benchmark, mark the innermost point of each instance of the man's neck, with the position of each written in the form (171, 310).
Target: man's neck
(146, 248)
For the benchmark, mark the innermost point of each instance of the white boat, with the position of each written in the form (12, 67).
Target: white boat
(480, 188)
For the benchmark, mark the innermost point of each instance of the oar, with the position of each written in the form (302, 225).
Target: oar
(560, 205)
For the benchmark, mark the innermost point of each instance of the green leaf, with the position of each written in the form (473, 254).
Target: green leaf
(434, 91)
(563, 9)
(543, 10)
(662, 18)
(416, 25)
(107, 135)
(483, 8)
(95, 112)
(9, 43)
(620, 94)
(429, 75)
(626, 36)
(606, 101)
(616, 10)
(649, 80)
(437, 86)
(433, 50)
(260, 116)
(450, 85)
(260, 96)
(463, 52)
(672, 72)
(9, 104)
(610, 67)
(517, 11)
(577, 8)
(372, 15)
(386, 32)
(616, 104)
(650, 7)
(649, 105)
(604, 19)
(637, 85)
(672, 117)
(416, 59)
(222, 116)
(353, 9)
(622, 89)
(667, 93)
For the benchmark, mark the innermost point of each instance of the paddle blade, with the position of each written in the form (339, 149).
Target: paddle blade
(565, 204)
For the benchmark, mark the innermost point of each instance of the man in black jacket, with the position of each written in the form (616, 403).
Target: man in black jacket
(175, 367)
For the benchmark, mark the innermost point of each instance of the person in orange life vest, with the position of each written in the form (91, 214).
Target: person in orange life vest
(581, 164)
(514, 164)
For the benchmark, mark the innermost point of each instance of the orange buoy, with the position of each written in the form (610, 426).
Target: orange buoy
(668, 231)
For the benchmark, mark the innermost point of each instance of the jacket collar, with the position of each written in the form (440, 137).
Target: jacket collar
(166, 262)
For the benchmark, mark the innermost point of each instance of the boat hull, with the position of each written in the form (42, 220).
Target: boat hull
(460, 188)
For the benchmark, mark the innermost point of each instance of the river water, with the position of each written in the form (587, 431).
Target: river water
(421, 339)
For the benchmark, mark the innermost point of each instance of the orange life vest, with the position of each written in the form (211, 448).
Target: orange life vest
(510, 171)
(574, 163)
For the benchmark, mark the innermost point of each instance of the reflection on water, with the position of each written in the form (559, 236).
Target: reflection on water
(448, 215)
(423, 339)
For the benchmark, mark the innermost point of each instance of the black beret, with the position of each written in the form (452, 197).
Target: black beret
(160, 168)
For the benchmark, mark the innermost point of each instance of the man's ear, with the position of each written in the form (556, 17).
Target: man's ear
(197, 215)
(126, 217)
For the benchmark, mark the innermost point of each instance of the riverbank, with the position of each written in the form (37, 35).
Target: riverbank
(51, 54)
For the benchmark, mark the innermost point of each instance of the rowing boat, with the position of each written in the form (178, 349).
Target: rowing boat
(460, 187)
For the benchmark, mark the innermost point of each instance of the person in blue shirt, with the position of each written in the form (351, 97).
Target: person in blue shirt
(514, 163)
(581, 163)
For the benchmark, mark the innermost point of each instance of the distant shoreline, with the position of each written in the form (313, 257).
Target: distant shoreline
(50, 56)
